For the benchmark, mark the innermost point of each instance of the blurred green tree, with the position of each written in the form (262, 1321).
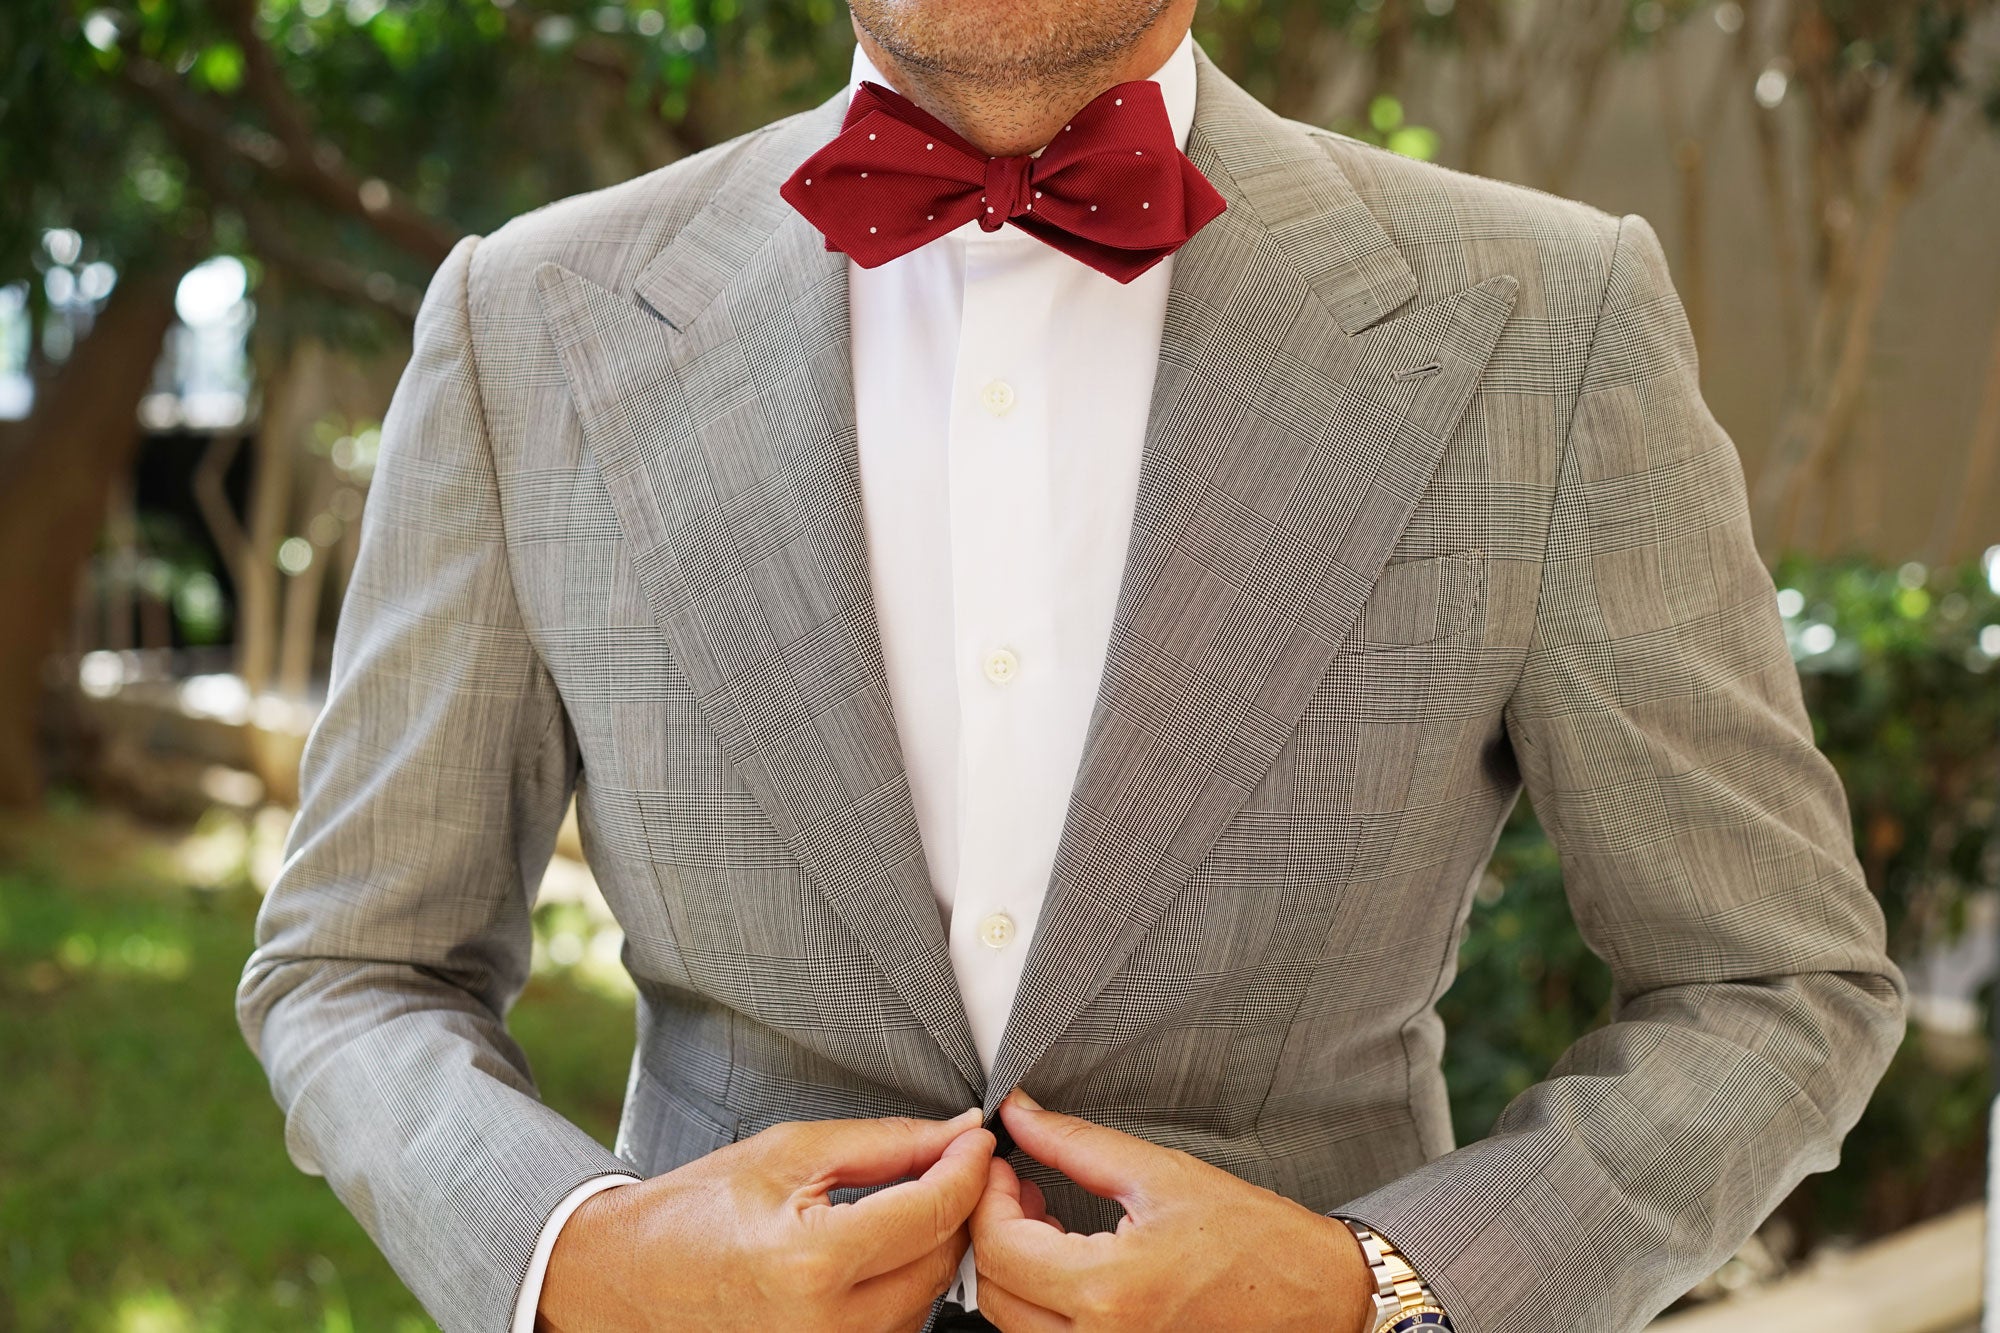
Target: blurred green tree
(340, 149)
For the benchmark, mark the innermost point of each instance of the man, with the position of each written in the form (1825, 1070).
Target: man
(1087, 654)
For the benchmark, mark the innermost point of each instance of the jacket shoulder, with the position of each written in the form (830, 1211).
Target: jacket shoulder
(610, 233)
(1455, 228)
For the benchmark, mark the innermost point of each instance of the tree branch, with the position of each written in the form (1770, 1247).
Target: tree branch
(615, 63)
(318, 168)
(205, 139)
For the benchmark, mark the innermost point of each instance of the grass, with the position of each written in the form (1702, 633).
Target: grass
(144, 1186)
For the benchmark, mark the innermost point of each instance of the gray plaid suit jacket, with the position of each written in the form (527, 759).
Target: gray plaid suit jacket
(1430, 508)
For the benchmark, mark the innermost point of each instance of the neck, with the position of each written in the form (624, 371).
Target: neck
(1009, 112)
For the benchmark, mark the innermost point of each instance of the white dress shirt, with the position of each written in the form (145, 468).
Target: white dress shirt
(1001, 392)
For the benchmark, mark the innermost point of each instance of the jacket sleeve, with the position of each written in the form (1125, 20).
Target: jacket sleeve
(396, 934)
(1707, 857)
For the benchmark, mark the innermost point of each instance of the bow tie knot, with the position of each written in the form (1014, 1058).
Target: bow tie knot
(1007, 190)
(1113, 190)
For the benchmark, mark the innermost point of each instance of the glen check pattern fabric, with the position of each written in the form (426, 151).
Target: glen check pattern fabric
(1431, 511)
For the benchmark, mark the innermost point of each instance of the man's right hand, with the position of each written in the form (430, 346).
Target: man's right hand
(747, 1239)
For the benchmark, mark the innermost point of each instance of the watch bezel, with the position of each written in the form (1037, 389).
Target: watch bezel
(1426, 1316)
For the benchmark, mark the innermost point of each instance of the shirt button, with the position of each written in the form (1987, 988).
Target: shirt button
(997, 397)
(1002, 666)
(996, 930)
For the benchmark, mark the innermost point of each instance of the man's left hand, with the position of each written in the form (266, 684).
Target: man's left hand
(1197, 1247)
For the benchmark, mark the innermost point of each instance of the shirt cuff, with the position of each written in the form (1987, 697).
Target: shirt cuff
(538, 1267)
(965, 1290)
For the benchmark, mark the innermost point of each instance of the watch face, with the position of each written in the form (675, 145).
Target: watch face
(1420, 1321)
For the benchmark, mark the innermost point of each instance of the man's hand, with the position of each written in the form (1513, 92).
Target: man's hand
(1197, 1247)
(746, 1239)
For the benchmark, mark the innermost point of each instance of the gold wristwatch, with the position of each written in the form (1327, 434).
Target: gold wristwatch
(1402, 1303)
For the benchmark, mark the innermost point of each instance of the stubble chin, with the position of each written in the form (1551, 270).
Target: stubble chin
(1002, 42)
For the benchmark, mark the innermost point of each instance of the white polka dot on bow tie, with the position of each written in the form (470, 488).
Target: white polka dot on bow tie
(930, 217)
(809, 180)
(864, 175)
(1147, 204)
(1066, 129)
(1038, 194)
(871, 231)
(929, 146)
(989, 210)
(1138, 152)
(1118, 101)
(871, 138)
(1093, 208)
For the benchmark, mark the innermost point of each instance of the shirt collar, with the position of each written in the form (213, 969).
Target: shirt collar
(1176, 79)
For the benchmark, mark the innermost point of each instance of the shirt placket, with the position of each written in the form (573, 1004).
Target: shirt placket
(1003, 626)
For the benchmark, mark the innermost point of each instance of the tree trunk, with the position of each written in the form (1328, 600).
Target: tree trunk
(298, 634)
(1966, 506)
(54, 488)
(281, 426)
(1821, 416)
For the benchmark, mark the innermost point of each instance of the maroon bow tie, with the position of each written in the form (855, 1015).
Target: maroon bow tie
(1112, 190)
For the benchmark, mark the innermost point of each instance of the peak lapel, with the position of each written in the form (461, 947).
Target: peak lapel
(718, 403)
(1293, 429)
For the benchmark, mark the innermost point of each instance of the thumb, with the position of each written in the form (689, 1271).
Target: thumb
(907, 1221)
(834, 1153)
(1104, 1161)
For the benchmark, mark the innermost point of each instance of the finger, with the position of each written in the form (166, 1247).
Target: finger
(1028, 1256)
(1015, 1314)
(1104, 1161)
(1034, 1205)
(827, 1154)
(1003, 1192)
(894, 1226)
(902, 1296)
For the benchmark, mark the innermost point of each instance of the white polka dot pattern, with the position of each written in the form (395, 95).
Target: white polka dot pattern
(1090, 194)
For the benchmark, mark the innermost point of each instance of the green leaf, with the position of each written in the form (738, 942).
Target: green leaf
(220, 67)
(1418, 141)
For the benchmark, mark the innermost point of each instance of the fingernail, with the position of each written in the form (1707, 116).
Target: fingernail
(1026, 1100)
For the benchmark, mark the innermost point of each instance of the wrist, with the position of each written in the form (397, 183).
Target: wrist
(576, 1263)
